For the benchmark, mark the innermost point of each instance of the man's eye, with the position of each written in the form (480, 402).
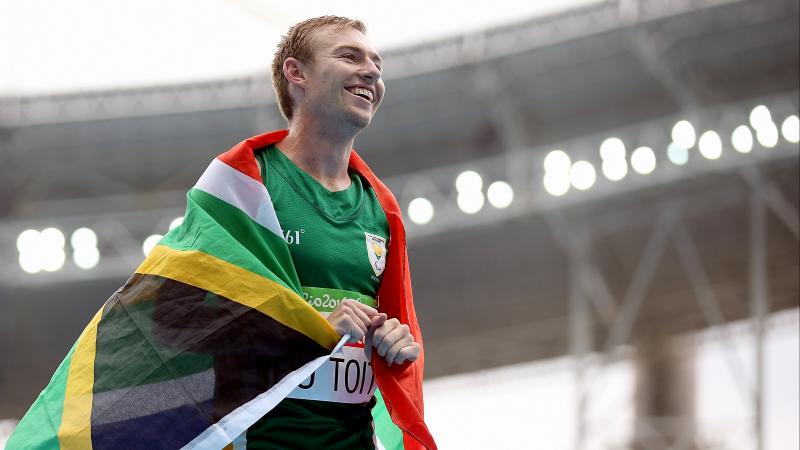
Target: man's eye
(349, 56)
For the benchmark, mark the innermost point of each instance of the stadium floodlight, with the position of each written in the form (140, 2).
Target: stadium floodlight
(612, 148)
(760, 117)
(28, 241)
(84, 248)
(469, 181)
(52, 238)
(420, 210)
(500, 194)
(470, 202)
(83, 238)
(615, 169)
(742, 139)
(677, 154)
(767, 135)
(710, 145)
(557, 161)
(52, 247)
(556, 183)
(176, 222)
(791, 129)
(30, 262)
(582, 175)
(683, 134)
(150, 242)
(30, 251)
(86, 258)
(643, 160)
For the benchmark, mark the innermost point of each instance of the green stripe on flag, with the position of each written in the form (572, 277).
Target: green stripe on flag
(389, 434)
(39, 427)
(129, 330)
(214, 226)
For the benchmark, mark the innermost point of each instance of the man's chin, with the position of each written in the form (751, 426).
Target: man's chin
(359, 121)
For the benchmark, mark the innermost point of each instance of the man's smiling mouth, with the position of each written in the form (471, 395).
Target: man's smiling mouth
(361, 92)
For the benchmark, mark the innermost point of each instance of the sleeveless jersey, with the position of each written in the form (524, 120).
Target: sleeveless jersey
(338, 243)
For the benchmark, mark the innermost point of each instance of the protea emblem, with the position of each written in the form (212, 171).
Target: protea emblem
(376, 250)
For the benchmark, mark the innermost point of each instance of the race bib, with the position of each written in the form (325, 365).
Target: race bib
(346, 377)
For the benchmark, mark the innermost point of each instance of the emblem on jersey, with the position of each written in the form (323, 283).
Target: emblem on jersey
(376, 250)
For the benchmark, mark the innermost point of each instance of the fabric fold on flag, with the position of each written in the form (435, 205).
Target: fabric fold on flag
(212, 331)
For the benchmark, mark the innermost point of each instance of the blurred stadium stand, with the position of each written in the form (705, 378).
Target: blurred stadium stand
(634, 262)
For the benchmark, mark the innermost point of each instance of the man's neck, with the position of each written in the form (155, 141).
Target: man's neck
(322, 153)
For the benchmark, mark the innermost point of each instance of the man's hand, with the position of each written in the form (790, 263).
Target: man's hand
(353, 318)
(392, 340)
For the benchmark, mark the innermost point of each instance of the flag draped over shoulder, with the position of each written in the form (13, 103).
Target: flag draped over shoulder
(211, 332)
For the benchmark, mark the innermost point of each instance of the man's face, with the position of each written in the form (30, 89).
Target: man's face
(344, 84)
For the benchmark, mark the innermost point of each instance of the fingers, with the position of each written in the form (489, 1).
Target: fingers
(352, 317)
(406, 354)
(377, 322)
(387, 335)
(394, 343)
(401, 351)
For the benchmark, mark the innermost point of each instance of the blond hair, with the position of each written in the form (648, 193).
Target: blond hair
(298, 43)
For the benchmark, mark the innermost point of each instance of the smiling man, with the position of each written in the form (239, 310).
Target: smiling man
(327, 77)
(279, 314)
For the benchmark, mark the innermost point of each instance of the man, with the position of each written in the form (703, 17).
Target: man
(327, 78)
(230, 332)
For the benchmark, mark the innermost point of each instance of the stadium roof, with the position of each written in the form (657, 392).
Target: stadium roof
(57, 47)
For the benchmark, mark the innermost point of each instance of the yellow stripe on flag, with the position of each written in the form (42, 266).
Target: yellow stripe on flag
(75, 431)
(215, 275)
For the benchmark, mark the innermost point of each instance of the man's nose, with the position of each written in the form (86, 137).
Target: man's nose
(370, 71)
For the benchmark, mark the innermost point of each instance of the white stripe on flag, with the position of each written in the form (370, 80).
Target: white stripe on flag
(239, 420)
(242, 192)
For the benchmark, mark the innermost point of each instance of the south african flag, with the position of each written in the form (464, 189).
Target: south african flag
(167, 362)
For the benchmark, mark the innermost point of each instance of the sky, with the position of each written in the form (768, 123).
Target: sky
(67, 46)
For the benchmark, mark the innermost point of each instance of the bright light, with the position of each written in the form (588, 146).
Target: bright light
(683, 134)
(710, 145)
(760, 117)
(470, 201)
(52, 249)
(742, 139)
(29, 244)
(767, 135)
(176, 222)
(83, 238)
(557, 162)
(150, 242)
(469, 181)
(86, 257)
(582, 175)
(556, 183)
(84, 244)
(677, 154)
(52, 238)
(615, 169)
(500, 194)
(28, 241)
(420, 210)
(612, 148)
(53, 259)
(643, 160)
(791, 129)
(30, 262)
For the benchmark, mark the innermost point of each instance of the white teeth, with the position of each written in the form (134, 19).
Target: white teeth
(361, 91)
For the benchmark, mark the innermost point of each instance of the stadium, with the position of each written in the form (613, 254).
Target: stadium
(601, 202)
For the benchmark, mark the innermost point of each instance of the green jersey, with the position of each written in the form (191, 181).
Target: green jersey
(338, 243)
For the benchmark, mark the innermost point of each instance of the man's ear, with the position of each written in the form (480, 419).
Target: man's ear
(294, 71)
